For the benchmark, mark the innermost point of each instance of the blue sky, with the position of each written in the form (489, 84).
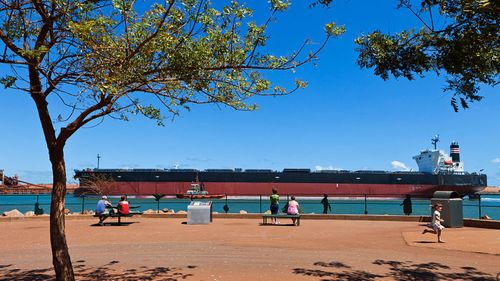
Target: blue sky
(346, 118)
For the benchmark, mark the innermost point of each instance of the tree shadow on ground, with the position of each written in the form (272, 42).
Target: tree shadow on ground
(396, 270)
(113, 224)
(104, 272)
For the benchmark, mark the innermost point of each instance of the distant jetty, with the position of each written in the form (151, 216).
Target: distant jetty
(33, 189)
(490, 190)
(13, 185)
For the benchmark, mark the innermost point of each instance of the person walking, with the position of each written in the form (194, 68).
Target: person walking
(407, 208)
(326, 205)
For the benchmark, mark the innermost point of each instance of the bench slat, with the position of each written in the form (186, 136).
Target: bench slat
(281, 216)
(119, 216)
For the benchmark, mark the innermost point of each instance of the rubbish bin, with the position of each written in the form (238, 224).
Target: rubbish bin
(199, 212)
(452, 213)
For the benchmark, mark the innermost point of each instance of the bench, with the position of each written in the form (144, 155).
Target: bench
(119, 216)
(280, 216)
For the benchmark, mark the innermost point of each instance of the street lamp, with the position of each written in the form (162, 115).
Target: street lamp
(98, 157)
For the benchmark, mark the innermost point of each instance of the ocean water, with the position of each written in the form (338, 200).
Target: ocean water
(488, 205)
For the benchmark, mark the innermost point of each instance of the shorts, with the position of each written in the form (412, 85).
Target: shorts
(103, 213)
(437, 226)
(275, 209)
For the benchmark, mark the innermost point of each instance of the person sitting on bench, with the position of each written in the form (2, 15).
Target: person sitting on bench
(101, 209)
(293, 209)
(123, 207)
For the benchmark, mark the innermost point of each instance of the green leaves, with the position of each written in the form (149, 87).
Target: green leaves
(280, 5)
(465, 51)
(8, 81)
(114, 57)
(150, 112)
(333, 30)
(393, 54)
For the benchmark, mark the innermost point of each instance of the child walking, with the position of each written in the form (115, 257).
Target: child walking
(436, 222)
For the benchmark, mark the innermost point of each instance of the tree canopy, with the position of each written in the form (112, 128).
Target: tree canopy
(174, 54)
(458, 39)
(118, 58)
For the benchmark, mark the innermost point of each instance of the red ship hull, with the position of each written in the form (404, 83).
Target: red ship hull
(300, 189)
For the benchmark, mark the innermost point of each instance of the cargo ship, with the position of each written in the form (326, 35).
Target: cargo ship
(437, 171)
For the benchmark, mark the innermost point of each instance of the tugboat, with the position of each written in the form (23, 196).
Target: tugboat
(196, 191)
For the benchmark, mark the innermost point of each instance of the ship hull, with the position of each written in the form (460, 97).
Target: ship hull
(341, 184)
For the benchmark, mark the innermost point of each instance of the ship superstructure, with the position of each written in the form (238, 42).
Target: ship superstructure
(438, 162)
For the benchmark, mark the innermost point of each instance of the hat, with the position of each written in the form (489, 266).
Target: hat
(104, 197)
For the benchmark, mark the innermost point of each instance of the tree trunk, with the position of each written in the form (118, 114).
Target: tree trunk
(60, 254)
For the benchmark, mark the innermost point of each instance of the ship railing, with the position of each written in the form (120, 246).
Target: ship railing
(340, 204)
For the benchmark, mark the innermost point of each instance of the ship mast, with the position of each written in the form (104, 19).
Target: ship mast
(435, 140)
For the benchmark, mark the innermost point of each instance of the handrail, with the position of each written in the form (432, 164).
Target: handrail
(372, 205)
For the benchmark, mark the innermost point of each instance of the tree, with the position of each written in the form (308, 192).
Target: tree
(465, 50)
(96, 184)
(116, 58)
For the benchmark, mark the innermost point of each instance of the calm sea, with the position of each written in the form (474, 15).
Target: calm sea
(489, 205)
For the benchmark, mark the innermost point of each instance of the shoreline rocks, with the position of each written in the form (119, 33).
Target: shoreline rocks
(13, 214)
(29, 214)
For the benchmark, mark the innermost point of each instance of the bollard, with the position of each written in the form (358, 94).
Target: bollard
(452, 212)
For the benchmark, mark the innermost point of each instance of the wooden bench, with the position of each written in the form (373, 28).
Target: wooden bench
(280, 216)
(119, 216)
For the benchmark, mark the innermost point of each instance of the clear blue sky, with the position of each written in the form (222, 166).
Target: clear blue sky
(346, 118)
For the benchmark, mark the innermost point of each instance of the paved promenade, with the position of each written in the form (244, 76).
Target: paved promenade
(242, 249)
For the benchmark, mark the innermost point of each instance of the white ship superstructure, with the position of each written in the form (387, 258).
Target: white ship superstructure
(438, 162)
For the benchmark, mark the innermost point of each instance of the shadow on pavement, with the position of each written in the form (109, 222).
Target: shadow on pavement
(105, 272)
(113, 224)
(277, 225)
(396, 270)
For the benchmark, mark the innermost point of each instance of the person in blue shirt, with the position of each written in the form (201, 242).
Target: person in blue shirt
(101, 210)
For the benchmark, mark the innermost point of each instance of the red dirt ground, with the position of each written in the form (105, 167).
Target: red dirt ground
(242, 249)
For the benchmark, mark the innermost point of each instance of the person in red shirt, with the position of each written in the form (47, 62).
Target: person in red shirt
(123, 207)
